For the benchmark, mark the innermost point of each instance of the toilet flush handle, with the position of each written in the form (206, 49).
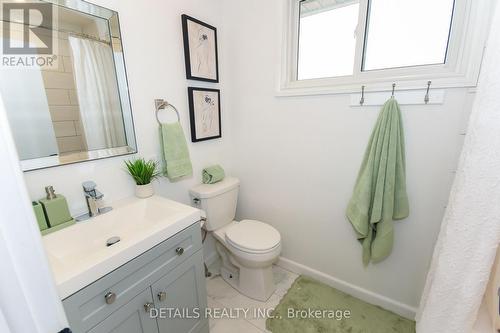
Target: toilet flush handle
(196, 201)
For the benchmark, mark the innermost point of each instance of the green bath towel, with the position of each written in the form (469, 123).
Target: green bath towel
(213, 174)
(379, 195)
(175, 151)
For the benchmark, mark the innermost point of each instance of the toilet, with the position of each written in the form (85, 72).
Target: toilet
(248, 248)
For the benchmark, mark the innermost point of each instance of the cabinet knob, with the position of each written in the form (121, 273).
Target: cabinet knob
(110, 298)
(162, 296)
(179, 251)
(148, 307)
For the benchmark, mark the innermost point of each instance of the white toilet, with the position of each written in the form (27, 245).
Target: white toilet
(248, 248)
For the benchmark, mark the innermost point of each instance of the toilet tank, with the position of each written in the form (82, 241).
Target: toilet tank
(218, 201)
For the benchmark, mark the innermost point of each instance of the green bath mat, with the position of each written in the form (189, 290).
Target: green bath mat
(313, 307)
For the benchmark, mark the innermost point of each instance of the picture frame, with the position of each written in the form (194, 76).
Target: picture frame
(200, 50)
(204, 114)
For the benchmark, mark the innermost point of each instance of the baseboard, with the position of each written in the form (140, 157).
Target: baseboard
(401, 309)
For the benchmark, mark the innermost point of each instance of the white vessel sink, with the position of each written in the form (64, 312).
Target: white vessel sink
(79, 254)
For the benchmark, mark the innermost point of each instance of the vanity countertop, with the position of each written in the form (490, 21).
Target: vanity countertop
(78, 255)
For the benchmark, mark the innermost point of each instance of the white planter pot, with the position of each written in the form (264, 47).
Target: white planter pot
(144, 191)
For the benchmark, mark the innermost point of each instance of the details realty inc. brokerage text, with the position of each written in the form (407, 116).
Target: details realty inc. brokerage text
(246, 313)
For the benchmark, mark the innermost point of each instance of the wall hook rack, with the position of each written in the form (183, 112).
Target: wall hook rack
(393, 88)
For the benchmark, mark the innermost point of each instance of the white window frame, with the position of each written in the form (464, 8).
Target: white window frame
(469, 31)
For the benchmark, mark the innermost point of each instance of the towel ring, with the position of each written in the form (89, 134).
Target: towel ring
(161, 104)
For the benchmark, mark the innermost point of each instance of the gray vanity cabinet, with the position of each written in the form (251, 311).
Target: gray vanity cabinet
(170, 275)
(183, 292)
(130, 318)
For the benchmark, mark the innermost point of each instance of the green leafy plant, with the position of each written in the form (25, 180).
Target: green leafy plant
(143, 172)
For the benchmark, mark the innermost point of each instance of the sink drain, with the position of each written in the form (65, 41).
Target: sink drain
(112, 241)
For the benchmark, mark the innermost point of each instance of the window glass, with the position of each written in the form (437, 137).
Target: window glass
(404, 33)
(327, 39)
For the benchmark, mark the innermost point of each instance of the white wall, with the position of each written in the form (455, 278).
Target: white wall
(154, 55)
(298, 157)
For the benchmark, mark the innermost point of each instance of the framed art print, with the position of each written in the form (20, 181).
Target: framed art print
(204, 114)
(200, 50)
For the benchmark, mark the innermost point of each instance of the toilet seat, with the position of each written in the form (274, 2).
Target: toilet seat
(252, 236)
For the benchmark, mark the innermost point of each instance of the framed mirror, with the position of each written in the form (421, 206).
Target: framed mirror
(63, 82)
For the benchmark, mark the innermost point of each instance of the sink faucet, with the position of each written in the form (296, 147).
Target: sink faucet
(93, 198)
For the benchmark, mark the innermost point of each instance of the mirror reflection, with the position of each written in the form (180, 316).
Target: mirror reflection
(77, 107)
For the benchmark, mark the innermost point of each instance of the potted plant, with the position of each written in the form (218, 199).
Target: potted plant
(143, 172)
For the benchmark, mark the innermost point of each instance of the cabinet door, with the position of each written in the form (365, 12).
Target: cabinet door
(182, 293)
(130, 318)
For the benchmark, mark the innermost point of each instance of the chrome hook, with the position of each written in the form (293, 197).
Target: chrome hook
(427, 99)
(393, 88)
(362, 100)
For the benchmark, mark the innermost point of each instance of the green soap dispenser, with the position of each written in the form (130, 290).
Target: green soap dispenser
(40, 216)
(56, 208)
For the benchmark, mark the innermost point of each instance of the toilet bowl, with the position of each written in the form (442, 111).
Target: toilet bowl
(247, 248)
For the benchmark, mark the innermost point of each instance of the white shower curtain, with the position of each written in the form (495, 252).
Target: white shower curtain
(470, 232)
(98, 96)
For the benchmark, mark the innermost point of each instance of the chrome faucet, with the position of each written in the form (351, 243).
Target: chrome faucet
(93, 197)
(94, 200)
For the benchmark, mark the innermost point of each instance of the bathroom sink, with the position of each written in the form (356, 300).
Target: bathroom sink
(81, 254)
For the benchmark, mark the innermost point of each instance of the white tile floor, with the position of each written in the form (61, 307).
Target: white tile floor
(222, 296)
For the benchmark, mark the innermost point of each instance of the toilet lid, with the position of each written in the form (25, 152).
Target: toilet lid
(253, 236)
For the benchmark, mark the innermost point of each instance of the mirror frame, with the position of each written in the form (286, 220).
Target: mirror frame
(123, 90)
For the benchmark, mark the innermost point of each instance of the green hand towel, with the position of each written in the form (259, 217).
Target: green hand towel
(213, 174)
(379, 195)
(175, 151)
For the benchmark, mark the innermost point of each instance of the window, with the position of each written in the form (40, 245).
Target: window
(338, 45)
(327, 42)
(407, 33)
